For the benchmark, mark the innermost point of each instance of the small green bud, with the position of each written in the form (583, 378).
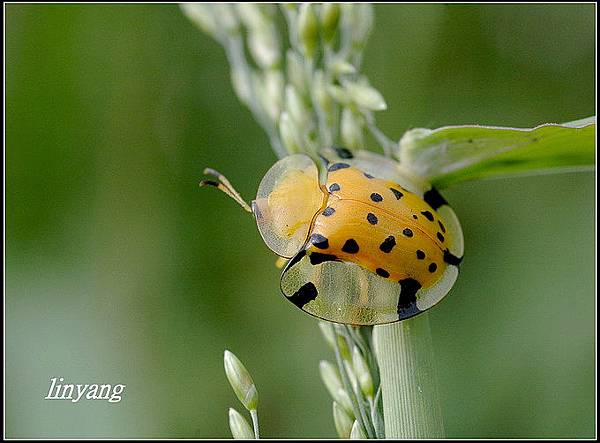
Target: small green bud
(344, 349)
(366, 96)
(343, 422)
(328, 333)
(339, 94)
(331, 377)
(269, 10)
(352, 130)
(361, 369)
(202, 16)
(289, 133)
(241, 85)
(343, 399)
(330, 18)
(348, 11)
(340, 67)
(347, 24)
(264, 47)
(308, 30)
(241, 381)
(358, 21)
(296, 107)
(321, 95)
(357, 433)
(227, 18)
(240, 429)
(252, 15)
(273, 90)
(263, 41)
(295, 71)
(364, 18)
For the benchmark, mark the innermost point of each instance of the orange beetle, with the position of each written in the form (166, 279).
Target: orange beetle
(368, 246)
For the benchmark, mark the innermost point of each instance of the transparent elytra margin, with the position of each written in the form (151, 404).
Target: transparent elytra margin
(287, 200)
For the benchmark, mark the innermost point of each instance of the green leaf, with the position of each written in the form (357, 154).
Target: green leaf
(453, 154)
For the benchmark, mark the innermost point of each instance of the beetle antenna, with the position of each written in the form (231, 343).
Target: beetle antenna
(224, 186)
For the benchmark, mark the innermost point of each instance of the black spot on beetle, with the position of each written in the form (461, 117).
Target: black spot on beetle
(316, 258)
(407, 232)
(328, 211)
(369, 176)
(442, 227)
(440, 237)
(420, 254)
(334, 187)
(376, 197)
(388, 244)
(351, 247)
(434, 199)
(409, 311)
(296, 258)
(451, 259)
(397, 193)
(415, 216)
(343, 152)
(382, 272)
(307, 293)
(372, 218)
(428, 215)
(408, 295)
(432, 267)
(337, 166)
(318, 241)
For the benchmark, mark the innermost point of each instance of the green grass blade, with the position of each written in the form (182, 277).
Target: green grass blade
(453, 154)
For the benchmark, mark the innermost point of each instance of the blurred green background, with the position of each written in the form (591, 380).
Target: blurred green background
(120, 270)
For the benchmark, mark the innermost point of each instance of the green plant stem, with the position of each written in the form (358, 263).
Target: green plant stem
(411, 403)
(389, 146)
(254, 415)
(358, 408)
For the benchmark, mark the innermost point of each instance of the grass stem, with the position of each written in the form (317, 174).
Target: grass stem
(411, 403)
(359, 411)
